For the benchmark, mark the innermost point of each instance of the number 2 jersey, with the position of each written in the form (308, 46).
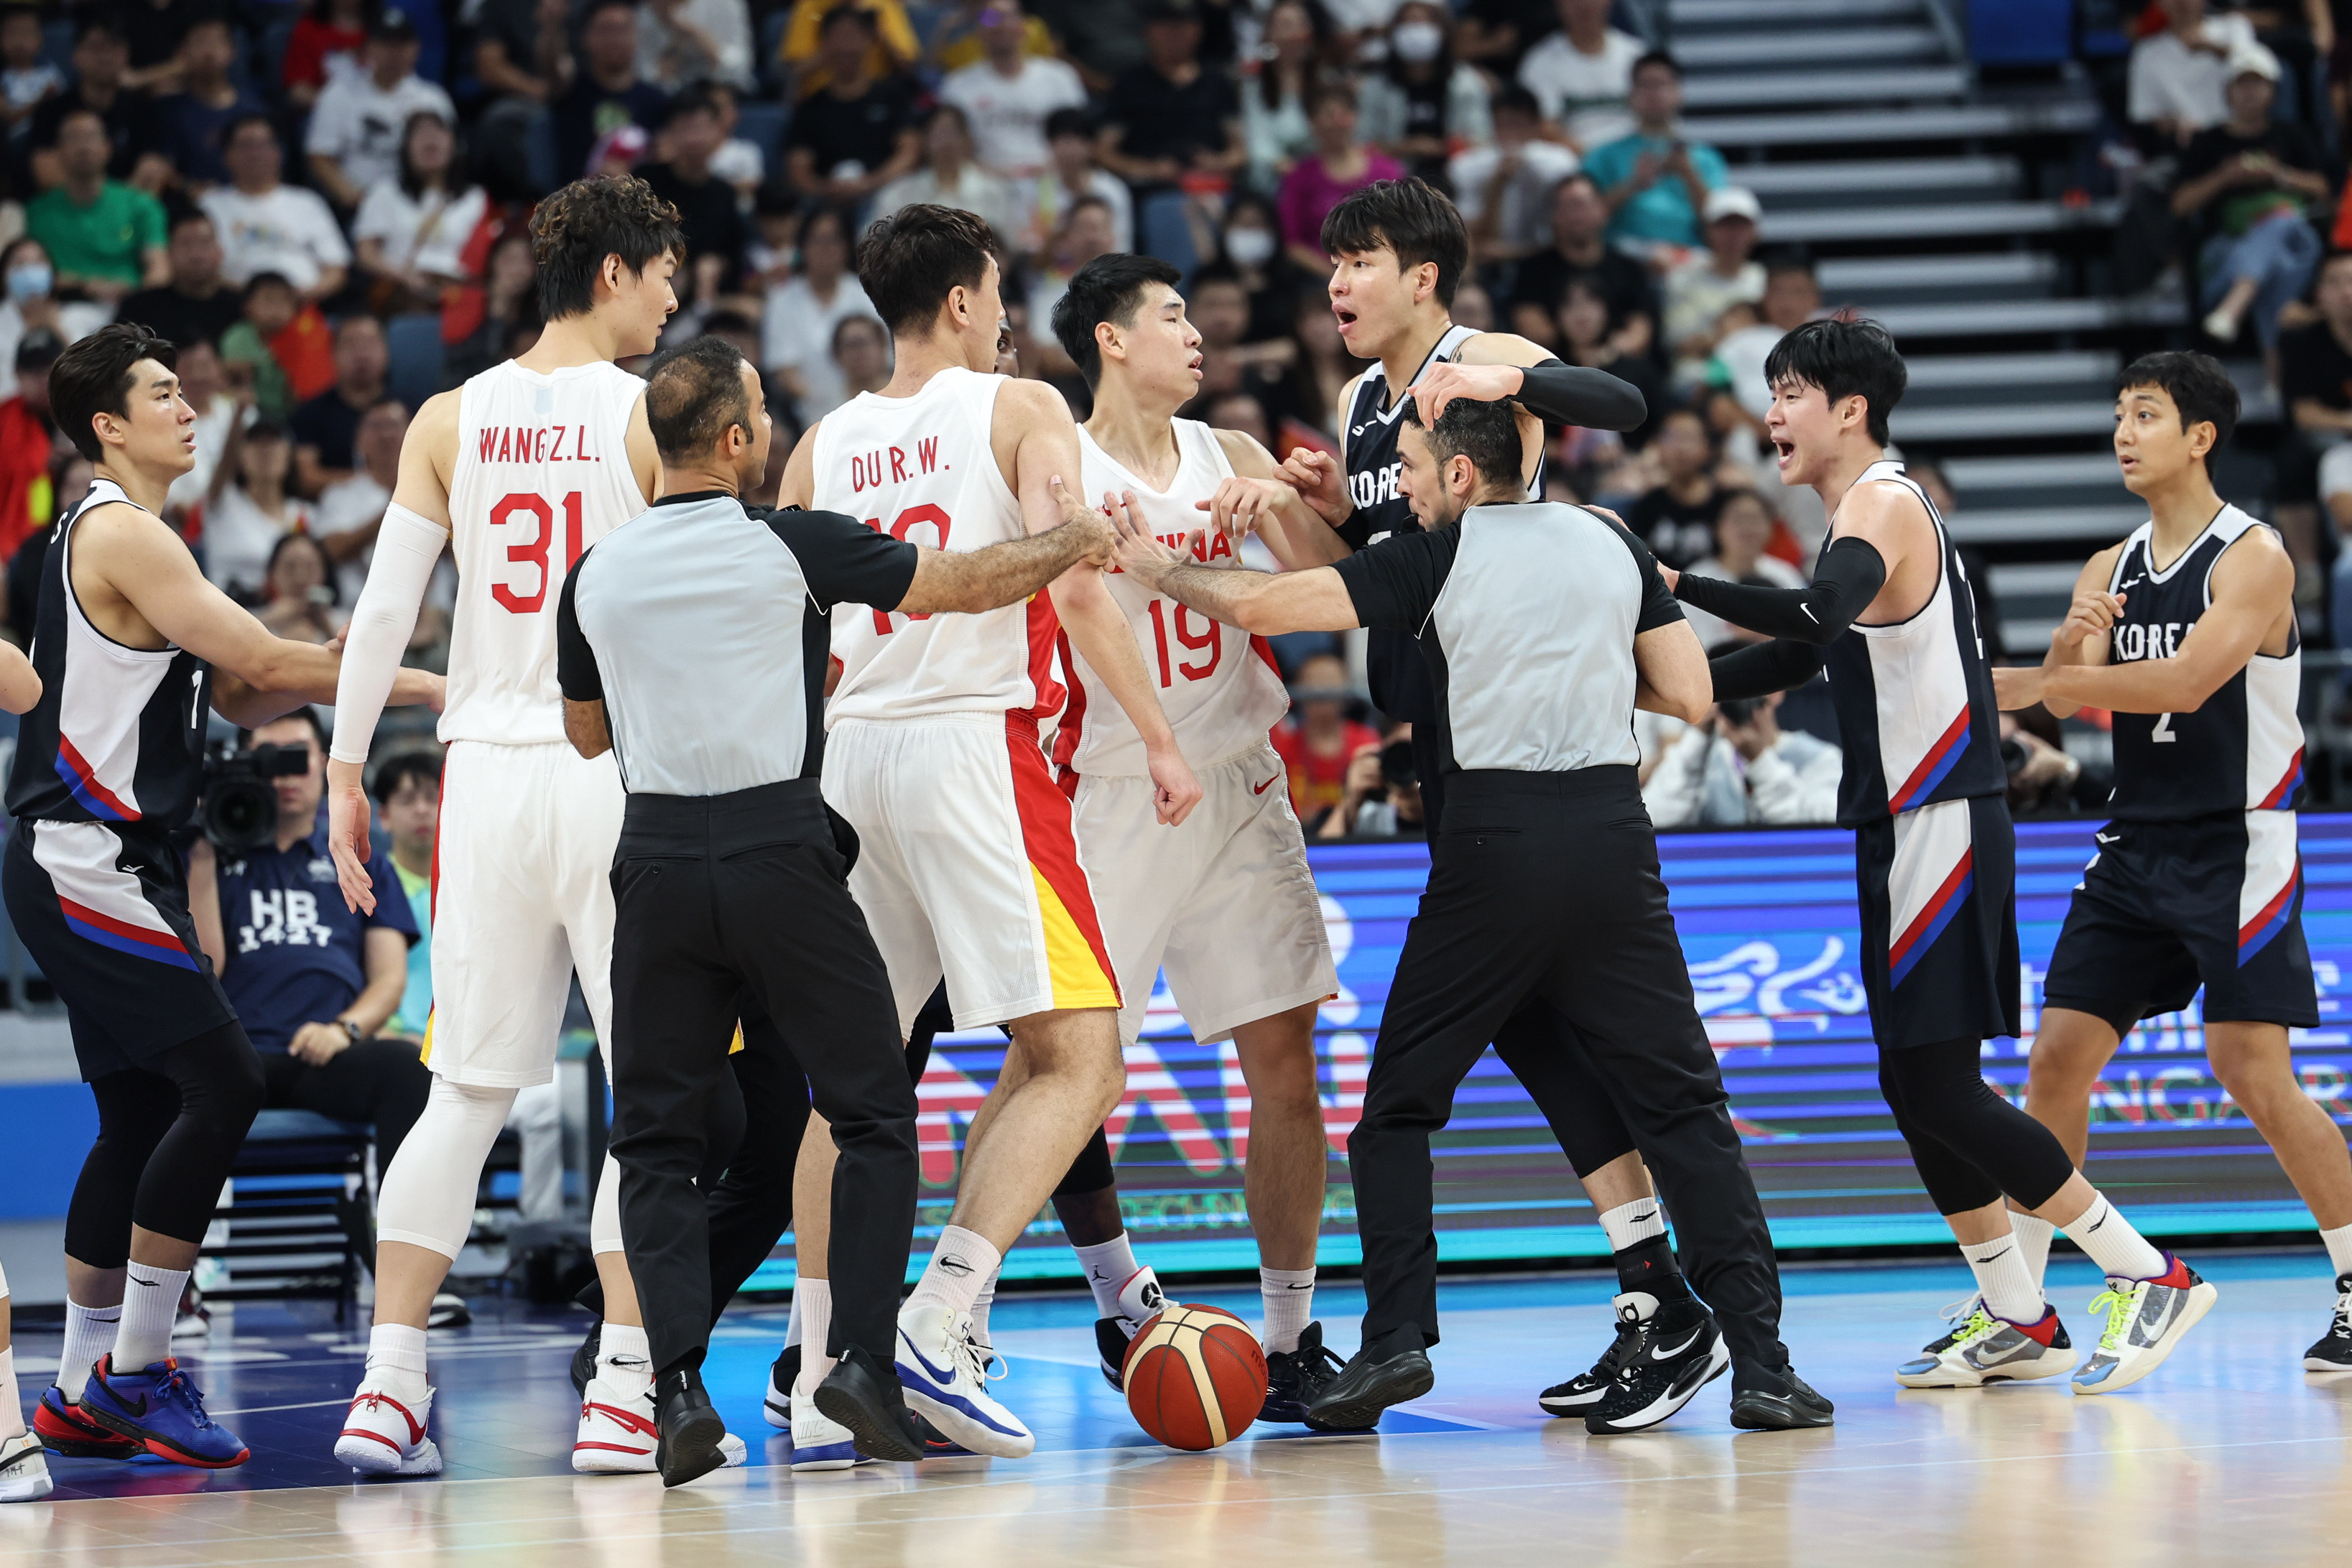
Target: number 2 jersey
(2242, 750)
(923, 469)
(542, 472)
(1217, 684)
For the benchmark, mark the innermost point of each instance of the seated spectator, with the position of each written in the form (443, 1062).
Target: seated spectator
(1426, 104)
(1237, 411)
(1293, 60)
(1654, 179)
(1251, 242)
(1589, 336)
(518, 48)
(861, 355)
(325, 427)
(739, 161)
(1676, 518)
(1008, 96)
(197, 305)
(858, 133)
(949, 177)
(713, 224)
(325, 43)
(890, 49)
(960, 40)
(266, 226)
(356, 130)
(1219, 309)
(408, 790)
(1503, 189)
(1584, 74)
(104, 238)
(101, 57)
(300, 598)
(32, 306)
(1075, 174)
(195, 118)
(1324, 368)
(1742, 767)
(283, 353)
(1382, 794)
(351, 510)
(247, 513)
(1085, 234)
(1318, 740)
(803, 315)
(411, 228)
(1792, 296)
(313, 981)
(26, 79)
(601, 88)
(509, 306)
(204, 386)
(1317, 182)
(2178, 75)
(1578, 252)
(1104, 38)
(1171, 118)
(681, 42)
(1498, 34)
(2250, 181)
(1702, 288)
(1738, 550)
(2315, 383)
(27, 437)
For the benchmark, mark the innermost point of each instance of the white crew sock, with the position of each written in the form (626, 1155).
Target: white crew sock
(12, 1413)
(89, 1333)
(979, 1305)
(2033, 1236)
(2339, 1249)
(2120, 1251)
(624, 1359)
(151, 1305)
(1109, 1265)
(396, 1360)
(1288, 1297)
(793, 1324)
(960, 1264)
(2007, 1289)
(1629, 1224)
(813, 1300)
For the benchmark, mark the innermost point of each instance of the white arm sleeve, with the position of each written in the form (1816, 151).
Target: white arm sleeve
(405, 548)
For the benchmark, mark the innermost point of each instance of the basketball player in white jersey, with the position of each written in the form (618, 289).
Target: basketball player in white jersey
(967, 865)
(1226, 902)
(519, 471)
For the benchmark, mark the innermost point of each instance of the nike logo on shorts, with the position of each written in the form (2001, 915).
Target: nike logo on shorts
(1262, 789)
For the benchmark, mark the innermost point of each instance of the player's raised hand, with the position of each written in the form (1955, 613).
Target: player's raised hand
(1317, 479)
(2091, 614)
(1174, 790)
(1240, 504)
(347, 834)
(1444, 381)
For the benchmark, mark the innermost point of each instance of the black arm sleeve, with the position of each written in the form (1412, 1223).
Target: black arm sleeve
(842, 560)
(1847, 578)
(1572, 394)
(1395, 582)
(1763, 667)
(575, 661)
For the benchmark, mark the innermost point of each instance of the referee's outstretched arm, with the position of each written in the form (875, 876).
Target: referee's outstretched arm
(1262, 603)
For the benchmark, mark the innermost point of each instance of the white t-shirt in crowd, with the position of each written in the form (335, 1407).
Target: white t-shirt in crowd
(77, 319)
(1008, 113)
(2169, 80)
(425, 233)
(286, 230)
(1361, 15)
(1051, 199)
(346, 504)
(213, 422)
(1523, 220)
(238, 537)
(799, 336)
(1584, 93)
(667, 59)
(359, 124)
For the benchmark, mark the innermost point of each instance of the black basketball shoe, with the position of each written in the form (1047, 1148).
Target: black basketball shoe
(1580, 1394)
(2334, 1351)
(1296, 1378)
(1680, 1352)
(583, 1359)
(1388, 1371)
(1778, 1401)
(690, 1429)
(777, 1404)
(861, 1395)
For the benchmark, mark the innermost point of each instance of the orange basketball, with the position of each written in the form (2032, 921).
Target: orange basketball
(1195, 1377)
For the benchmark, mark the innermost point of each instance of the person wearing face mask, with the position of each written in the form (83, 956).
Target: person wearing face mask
(1426, 103)
(1252, 247)
(32, 305)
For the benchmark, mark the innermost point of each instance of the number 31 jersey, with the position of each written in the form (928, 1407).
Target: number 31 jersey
(923, 469)
(542, 472)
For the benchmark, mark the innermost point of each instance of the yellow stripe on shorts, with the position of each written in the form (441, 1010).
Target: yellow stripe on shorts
(1079, 979)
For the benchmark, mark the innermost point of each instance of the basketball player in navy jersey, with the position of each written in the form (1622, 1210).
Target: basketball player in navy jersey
(2186, 632)
(1890, 615)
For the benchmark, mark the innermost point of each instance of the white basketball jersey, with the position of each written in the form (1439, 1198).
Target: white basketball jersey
(922, 468)
(1217, 684)
(542, 472)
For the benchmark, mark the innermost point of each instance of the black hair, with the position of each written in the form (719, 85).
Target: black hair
(1844, 357)
(2197, 384)
(909, 261)
(729, 321)
(862, 323)
(1778, 259)
(1108, 288)
(261, 281)
(1656, 58)
(1407, 217)
(697, 98)
(93, 377)
(1069, 122)
(97, 19)
(306, 711)
(286, 542)
(453, 178)
(693, 394)
(829, 21)
(425, 766)
(575, 229)
(238, 123)
(186, 216)
(1517, 99)
(1486, 432)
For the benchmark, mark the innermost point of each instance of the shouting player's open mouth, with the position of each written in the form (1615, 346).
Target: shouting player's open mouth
(1787, 449)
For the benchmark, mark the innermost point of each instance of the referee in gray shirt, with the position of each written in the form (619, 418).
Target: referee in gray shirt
(1544, 626)
(692, 640)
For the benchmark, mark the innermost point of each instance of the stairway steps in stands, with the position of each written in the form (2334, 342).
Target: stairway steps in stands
(1998, 318)
(1940, 220)
(1792, 185)
(1858, 131)
(1844, 44)
(1840, 89)
(1693, 16)
(1932, 280)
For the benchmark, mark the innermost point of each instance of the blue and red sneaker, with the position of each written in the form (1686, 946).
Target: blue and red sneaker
(67, 1429)
(158, 1407)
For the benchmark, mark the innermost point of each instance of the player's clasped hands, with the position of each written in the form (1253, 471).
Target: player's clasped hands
(1320, 483)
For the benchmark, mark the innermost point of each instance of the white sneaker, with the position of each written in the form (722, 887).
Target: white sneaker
(617, 1436)
(2145, 1320)
(939, 1367)
(819, 1442)
(384, 1435)
(24, 1469)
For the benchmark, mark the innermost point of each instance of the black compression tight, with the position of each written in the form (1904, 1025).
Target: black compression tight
(1972, 1147)
(167, 1134)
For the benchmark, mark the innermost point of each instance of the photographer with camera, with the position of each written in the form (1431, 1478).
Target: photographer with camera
(1738, 766)
(1384, 793)
(312, 980)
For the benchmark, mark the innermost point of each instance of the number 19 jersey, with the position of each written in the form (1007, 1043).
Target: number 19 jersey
(542, 472)
(923, 469)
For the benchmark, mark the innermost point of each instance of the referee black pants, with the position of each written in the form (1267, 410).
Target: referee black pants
(745, 892)
(1547, 886)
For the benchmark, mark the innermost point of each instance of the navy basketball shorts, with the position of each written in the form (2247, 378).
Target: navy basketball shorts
(2167, 907)
(103, 910)
(1938, 888)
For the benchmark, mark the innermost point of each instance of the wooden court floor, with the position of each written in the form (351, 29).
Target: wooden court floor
(2231, 1455)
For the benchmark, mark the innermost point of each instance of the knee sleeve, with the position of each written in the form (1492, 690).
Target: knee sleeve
(1988, 1146)
(1091, 1171)
(135, 1109)
(604, 1214)
(428, 1196)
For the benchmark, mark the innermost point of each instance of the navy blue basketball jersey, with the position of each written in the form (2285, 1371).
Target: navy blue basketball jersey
(1914, 700)
(2242, 751)
(118, 733)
